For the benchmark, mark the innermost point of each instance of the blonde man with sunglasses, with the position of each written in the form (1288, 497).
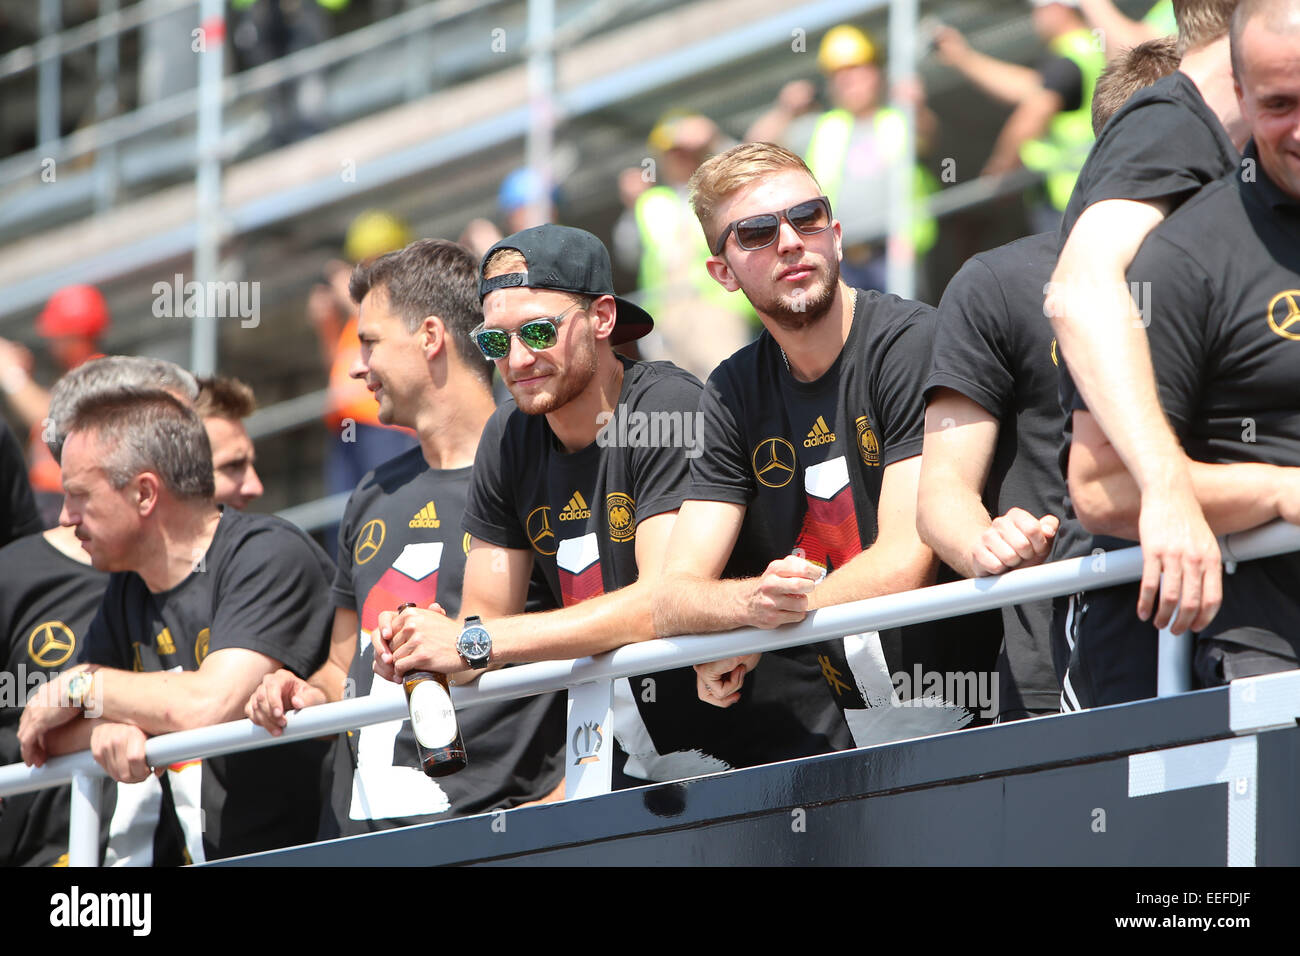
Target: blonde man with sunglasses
(805, 493)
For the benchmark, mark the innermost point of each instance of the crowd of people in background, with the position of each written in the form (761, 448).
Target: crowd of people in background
(832, 442)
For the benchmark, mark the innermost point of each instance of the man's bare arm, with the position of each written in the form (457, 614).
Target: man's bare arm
(167, 701)
(1029, 121)
(426, 641)
(1235, 497)
(1104, 344)
(692, 597)
(960, 439)
(1008, 82)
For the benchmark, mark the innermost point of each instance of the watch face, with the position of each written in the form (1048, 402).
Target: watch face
(474, 643)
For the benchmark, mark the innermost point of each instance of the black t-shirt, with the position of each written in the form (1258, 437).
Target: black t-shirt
(807, 460)
(401, 541)
(18, 514)
(994, 345)
(1165, 143)
(1062, 76)
(578, 513)
(262, 585)
(46, 605)
(1225, 343)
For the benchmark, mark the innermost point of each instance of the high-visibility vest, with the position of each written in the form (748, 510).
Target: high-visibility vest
(349, 397)
(670, 234)
(1061, 153)
(828, 151)
(1161, 16)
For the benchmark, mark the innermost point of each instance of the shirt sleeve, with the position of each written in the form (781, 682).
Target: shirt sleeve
(1180, 301)
(972, 352)
(490, 513)
(273, 597)
(18, 514)
(1151, 153)
(1062, 76)
(661, 476)
(342, 590)
(900, 363)
(721, 471)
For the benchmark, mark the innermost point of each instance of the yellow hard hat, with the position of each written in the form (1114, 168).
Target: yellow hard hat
(843, 46)
(373, 233)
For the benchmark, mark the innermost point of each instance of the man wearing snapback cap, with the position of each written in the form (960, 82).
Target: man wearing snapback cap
(564, 477)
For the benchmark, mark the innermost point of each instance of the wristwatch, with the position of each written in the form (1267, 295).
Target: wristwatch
(79, 686)
(474, 643)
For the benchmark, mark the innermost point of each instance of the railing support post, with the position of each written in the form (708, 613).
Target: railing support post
(83, 829)
(589, 740)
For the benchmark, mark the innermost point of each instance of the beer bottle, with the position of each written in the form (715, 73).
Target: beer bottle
(433, 719)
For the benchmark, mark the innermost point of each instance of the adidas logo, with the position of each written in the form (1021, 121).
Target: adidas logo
(576, 509)
(820, 434)
(426, 517)
(164, 642)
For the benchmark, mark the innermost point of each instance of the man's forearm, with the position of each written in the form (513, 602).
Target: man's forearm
(1009, 82)
(952, 527)
(687, 604)
(593, 626)
(876, 571)
(163, 702)
(1234, 497)
(71, 737)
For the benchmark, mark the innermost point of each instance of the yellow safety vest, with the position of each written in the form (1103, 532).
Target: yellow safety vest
(828, 152)
(663, 220)
(1061, 153)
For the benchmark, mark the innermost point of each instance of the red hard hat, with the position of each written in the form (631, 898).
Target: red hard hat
(74, 310)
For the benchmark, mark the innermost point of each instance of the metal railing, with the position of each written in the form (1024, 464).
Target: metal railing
(590, 680)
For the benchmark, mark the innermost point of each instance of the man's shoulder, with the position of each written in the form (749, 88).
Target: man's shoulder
(1171, 103)
(268, 536)
(398, 468)
(1213, 208)
(744, 367)
(1012, 258)
(1173, 91)
(388, 476)
(887, 315)
(650, 383)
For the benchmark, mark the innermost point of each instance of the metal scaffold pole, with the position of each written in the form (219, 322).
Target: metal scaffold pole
(900, 262)
(210, 43)
(541, 101)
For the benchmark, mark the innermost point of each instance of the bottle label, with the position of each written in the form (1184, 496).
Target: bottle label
(432, 716)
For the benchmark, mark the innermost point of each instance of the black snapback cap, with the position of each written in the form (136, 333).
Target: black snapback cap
(566, 259)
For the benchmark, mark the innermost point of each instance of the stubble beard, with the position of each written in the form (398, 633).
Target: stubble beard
(569, 383)
(796, 313)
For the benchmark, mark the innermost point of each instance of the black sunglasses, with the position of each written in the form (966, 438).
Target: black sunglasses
(536, 334)
(757, 232)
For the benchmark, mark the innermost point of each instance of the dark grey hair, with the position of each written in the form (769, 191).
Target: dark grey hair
(140, 430)
(111, 373)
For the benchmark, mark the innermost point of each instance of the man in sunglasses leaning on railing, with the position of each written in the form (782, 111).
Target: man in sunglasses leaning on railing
(805, 494)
